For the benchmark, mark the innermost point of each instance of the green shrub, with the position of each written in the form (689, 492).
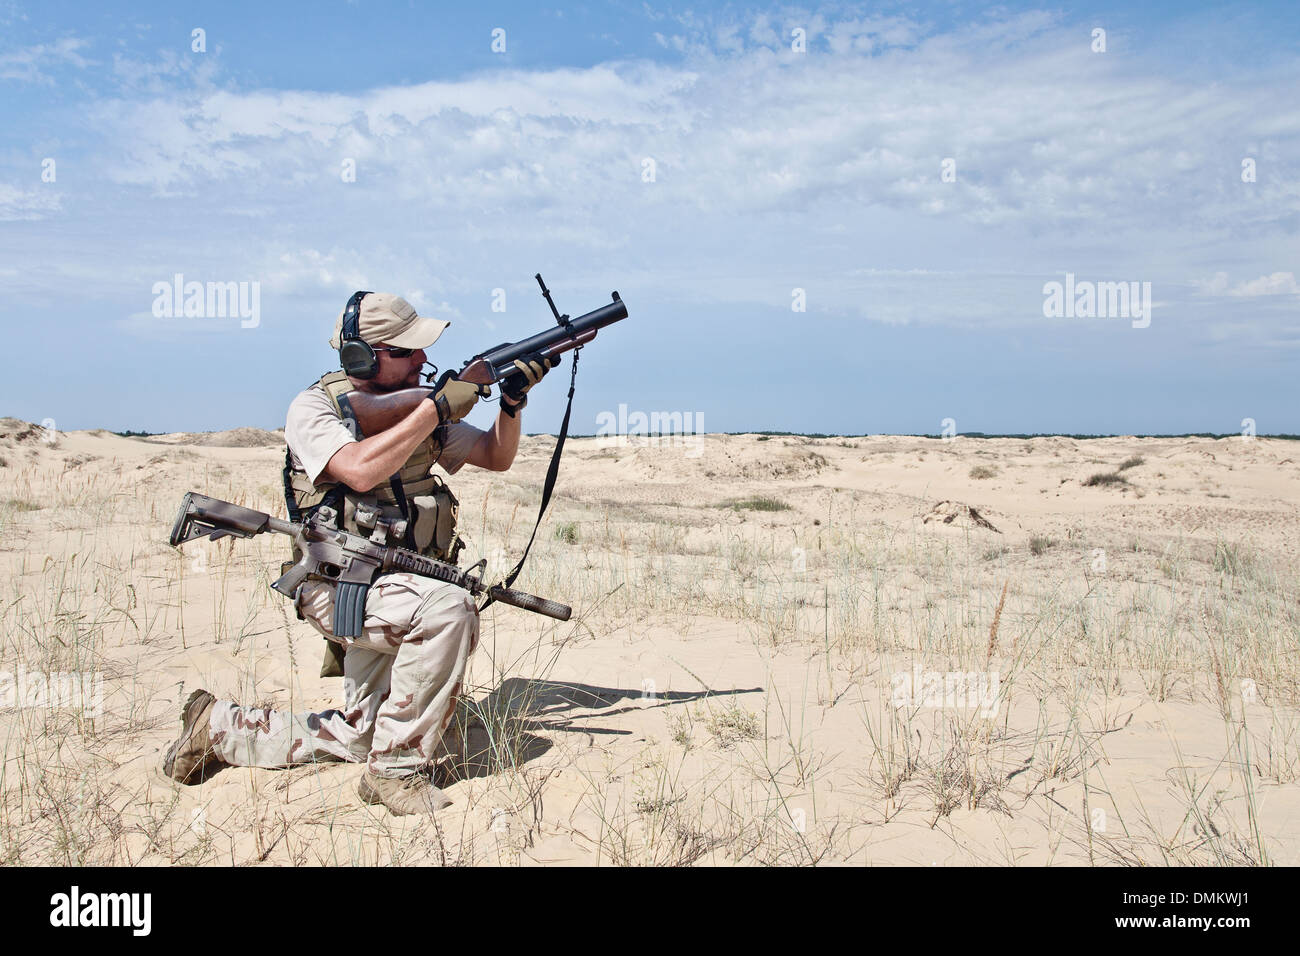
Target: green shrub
(1039, 543)
(757, 504)
(733, 724)
(1233, 559)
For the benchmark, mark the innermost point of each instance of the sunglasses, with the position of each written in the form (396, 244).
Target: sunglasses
(394, 352)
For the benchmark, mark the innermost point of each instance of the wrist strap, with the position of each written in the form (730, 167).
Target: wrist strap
(440, 403)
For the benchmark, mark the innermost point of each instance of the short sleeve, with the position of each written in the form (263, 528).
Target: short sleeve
(314, 432)
(459, 442)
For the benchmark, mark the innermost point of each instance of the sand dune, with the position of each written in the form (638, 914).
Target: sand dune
(784, 650)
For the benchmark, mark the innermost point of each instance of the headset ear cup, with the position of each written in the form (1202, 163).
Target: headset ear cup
(355, 355)
(358, 359)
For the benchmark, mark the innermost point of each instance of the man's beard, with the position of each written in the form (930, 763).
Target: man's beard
(410, 381)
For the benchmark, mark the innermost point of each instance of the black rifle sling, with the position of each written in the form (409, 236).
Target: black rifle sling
(399, 492)
(549, 485)
(290, 503)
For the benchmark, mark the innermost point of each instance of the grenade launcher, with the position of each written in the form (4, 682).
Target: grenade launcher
(376, 412)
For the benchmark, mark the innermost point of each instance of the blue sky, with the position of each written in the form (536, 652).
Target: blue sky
(773, 171)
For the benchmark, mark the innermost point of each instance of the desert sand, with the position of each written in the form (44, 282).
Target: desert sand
(744, 680)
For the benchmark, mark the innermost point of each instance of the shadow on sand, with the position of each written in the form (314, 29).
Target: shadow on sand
(498, 729)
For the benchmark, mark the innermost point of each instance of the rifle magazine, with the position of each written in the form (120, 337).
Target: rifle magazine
(349, 609)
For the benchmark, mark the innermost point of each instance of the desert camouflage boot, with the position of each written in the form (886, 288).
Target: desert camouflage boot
(402, 795)
(192, 751)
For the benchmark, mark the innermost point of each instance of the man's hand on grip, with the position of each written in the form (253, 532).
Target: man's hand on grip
(514, 389)
(454, 398)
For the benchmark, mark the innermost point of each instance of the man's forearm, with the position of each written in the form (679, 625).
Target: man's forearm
(505, 439)
(363, 464)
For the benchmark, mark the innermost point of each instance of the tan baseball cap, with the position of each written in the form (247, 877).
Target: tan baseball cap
(390, 319)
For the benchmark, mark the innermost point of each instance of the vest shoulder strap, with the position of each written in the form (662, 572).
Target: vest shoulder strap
(300, 495)
(336, 386)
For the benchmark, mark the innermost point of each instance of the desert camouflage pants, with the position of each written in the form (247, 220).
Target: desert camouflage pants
(401, 678)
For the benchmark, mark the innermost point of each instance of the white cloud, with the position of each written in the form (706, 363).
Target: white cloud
(1039, 131)
(772, 170)
(19, 204)
(160, 75)
(1277, 283)
(28, 64)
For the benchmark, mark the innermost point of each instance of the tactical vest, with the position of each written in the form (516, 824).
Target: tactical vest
(413, 494)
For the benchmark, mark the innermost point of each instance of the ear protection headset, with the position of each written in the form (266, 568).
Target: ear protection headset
(357, 357)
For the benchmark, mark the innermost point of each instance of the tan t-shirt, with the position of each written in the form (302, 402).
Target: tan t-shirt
(314, 432)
